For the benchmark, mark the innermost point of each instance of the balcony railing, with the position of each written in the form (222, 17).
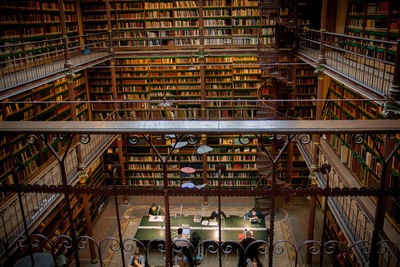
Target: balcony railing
(350, 211)
(265, 132)
(22, 63)
(38, 204)
(368, 62)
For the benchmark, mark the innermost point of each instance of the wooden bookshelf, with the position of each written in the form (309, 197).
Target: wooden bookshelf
(31, 21)
(16, 149)
(305, 89)
(376, 20)
(56, 223)
(362, 159)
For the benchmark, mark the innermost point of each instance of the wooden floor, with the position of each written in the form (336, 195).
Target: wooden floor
(43, 69)
(377, 77)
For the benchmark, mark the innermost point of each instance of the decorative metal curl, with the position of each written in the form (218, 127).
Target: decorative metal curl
(363, 246)
(260, 248)
(160, 245)
(245, 139)
(19, 239)
(278, 249)
(82, 243)
(313, 249)
(229, 245)
(192, 139)
(129, 247)
(175, 248)
(383, 249)
(35, 240)
(32, 139)
(329, 247)
(211, 245)
(115, 244)
(66, 241)
(358, 138)
(84, 139)
(133, 139)
(305, 139)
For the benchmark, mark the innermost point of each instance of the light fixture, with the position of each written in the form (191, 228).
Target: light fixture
(204, 149)
(179, 144)
(188, 185)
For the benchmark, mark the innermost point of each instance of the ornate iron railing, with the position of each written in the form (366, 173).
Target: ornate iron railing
(264, 131)
(368, 62)
(25, 62)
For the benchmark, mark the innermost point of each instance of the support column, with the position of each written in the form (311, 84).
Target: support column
(324, 16)
(311, 218)
(394, 91)
(203, 93)
(80, 23)
(70, 79)
(204, 160)
(121, 162)
(168, 241)
(380, 211)
(63, 27)
(85, 201)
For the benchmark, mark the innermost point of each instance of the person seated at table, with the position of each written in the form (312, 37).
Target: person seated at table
(254, 215)
(181, 242)
(252, 252)
(214, 215)
(154, 210)
(181, 260)
(253, 262)
(136, 260)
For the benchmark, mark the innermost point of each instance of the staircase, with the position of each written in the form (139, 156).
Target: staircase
(268, 57)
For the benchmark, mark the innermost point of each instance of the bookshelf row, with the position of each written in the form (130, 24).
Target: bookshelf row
(56, 223)
(375, 20)
(362, 159)
(143, 167)
(16, 148)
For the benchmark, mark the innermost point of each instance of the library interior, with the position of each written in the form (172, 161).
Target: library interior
(200, 133)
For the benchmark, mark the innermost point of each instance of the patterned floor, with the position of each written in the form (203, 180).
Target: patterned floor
(288, 227)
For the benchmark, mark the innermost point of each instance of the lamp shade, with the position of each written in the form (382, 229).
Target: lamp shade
(188, 185)
(179, 144)
(204, 149)
(188, 170)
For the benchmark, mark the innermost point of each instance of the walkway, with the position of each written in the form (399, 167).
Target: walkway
(374, 77)
(44, 69)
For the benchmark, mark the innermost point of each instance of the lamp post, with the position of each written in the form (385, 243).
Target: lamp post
(220, 169)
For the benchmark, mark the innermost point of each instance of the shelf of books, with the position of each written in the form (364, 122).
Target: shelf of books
(361, 159)
(239, 159)
(305, 89)
(33, 156)
(32, 21)
(57, 223)
(233, 78)
(376, 20)
(175, 24)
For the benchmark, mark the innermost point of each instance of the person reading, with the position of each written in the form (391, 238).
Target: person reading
(136, 260)
(181, 260)
(214, 215)
(254, 215)
(156, 211)
(182, 242)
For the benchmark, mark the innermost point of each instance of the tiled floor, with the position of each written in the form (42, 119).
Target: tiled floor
(290, 224)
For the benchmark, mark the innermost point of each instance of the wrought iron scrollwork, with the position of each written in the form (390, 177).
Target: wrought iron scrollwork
(358, 138)
(305, 139)
(84, 139)
(133, 139)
